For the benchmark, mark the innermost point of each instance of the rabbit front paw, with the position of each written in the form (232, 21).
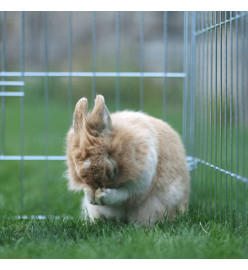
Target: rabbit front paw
(89, 194)
(107, 196)
(100, 196)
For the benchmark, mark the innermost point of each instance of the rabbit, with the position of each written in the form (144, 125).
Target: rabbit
(131, 166)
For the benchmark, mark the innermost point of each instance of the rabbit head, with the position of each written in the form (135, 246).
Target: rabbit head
(89, 146)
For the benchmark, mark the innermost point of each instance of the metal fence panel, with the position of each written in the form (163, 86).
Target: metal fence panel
(220, 113)
(213, 84)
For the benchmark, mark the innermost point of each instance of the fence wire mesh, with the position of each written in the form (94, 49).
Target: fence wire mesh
(37, 98)
(216, 136)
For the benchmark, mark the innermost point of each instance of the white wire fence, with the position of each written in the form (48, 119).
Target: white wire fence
(211, 78)
(216, 115)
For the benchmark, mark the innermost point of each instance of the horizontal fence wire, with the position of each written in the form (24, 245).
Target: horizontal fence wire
(95, 74)
(27, 157)
(195, 161)
(192, 163)
(39, 217)
(11, 94)
(8, 83)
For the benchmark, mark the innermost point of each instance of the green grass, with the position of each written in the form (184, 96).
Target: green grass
(189, 236)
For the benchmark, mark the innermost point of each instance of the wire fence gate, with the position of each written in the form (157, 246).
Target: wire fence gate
(213, 84)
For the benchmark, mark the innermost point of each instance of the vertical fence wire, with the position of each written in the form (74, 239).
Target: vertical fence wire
(206, 112)
(215, 115)
(69, 83)
(93, 56)
(117, 57)
(199, 60)
(243, 123)
(246, 126)
(191, 101)
(211, 108)
(165, 59)
(3, 64)
(46, 117)
(69, 67)
(141, 98)
(231, 122)
(220, 125)
(202, 105)
(245, 132)
(22, 110)
(185, 71)
(225, 123)
(237, 120)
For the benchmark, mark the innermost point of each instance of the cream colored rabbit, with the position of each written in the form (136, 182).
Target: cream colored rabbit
(130, 165)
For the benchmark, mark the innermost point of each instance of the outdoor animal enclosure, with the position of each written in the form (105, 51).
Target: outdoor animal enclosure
(195, 79)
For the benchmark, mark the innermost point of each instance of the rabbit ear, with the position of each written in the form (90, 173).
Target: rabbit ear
(99, 119)
(80, 114)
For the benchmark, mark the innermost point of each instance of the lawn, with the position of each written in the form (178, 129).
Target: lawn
(189, 236)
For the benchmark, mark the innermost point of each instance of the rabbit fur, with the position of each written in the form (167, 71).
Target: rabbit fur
(130, 165)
